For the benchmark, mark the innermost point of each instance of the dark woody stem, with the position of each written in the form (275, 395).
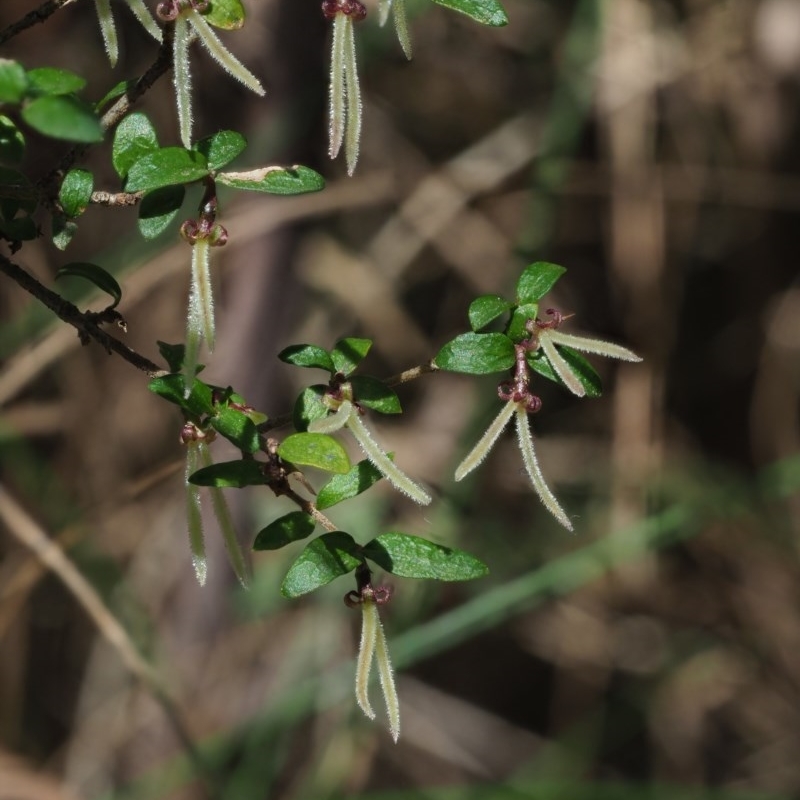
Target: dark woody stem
(32, 18)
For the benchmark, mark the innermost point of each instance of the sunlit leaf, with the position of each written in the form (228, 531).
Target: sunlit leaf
(307, 355)
(158, 208)
(486, 309)
(237, 428)
(134, 138)
(342, 487)
(537, 280)
(323, 560)
(290, 528)
(76, 192)
(372, 393)
(348, 353)
(63, 117)
(487, 12)
(51, 81)
(274, 180)
(221, 148)
(166, 167)
(315, 450)
(477, 354)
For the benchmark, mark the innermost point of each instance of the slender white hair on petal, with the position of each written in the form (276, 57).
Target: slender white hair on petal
(386, 674)
(223, 515)
(201, 293)
(370, 623)
(194, 515)
(384, 8)
(486, 442)
(558, 363)
(221, 54)
(192, 348)
(534, 472)
(598, 346)
(384, 464)
(333, 422)
(352, 136)
(106, 20)
(337, 119)
(182, 78)
(141, 12)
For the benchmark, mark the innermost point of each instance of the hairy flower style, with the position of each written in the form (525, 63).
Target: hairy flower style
(198, 455)
(397, 8)
(189, 22)
(347, 415)
(373, 647)
(345, 92)
(109, 31)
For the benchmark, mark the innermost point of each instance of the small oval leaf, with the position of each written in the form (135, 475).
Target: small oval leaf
(166, 167)
(486, 309)
(134, 138)
(51, 81)
(225, 14)
(103, 280)
(63, 117)
(13, 81)
(76, 192)
(307, 355)
(309, 406)
(372, 393)
(287, 529)
(487, 12)
(237, 428)
(221, 148)
(537, 280)
(315, 450)
(342, 487)
(415, 557)
(477, 354)
(348, 353)
(158, 208)
(171, 387)
(323, 560)
(275, 180)
(230, 474)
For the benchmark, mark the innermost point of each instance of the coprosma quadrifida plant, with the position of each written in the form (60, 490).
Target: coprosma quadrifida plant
(518, 338)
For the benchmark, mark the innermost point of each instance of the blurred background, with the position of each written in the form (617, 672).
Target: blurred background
(649, 146)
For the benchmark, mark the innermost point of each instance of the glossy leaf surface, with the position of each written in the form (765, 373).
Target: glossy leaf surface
(323, 560)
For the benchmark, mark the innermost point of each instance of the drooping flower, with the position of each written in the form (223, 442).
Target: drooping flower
(108, 28)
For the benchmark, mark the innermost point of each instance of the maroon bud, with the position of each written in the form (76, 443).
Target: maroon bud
(168, 10)
(190, 230)
(218, 236)
(355, 9)
(330, 8)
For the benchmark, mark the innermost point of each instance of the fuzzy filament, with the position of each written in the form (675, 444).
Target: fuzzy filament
(561, 367)
(383, 463)
(223, 515)
(106, 20)
(525, 440)
(353, 96)
(194, 515)
(333, 422)
(597, 346)
(146, 20)
(336, 111)
(370, 622)
(221, 54)
(182, 79)
(386, 675)
(486, 442)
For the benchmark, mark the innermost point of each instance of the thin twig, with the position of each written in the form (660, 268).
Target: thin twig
(32, 18)
(72, 315)
(28, 532)
(412, 374)
(102, 198)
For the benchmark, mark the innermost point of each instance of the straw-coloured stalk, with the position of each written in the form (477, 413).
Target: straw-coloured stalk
(182, 79)
(107, 28)
(352, 137)
(193, 513)
(200, 317)
(397, 8)
(333, 422)
(486, 442)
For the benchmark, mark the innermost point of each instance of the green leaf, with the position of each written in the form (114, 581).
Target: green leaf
(290, 528)
(13, 81)
(477, 354)
(582, 369)
(348, 353)
(307, 355)
(375, 394)
(487, 12)
(63, 117)
(171, 387)
(274, 180)
(158, 208)
(76, 192)
(173, 354)
(115, 92)
(166, 167)
(414, 557)
(103, 280)
(221, 148)
(12, 141)
(537, 280)
(516, 330)
(315, 450)
(486, 309)
(323, 560)
(342, 487)
(51, 81)
(309, 406)
(226, 14)
(237, 428)
(230, 474)
(134, 138)
(64, 231)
